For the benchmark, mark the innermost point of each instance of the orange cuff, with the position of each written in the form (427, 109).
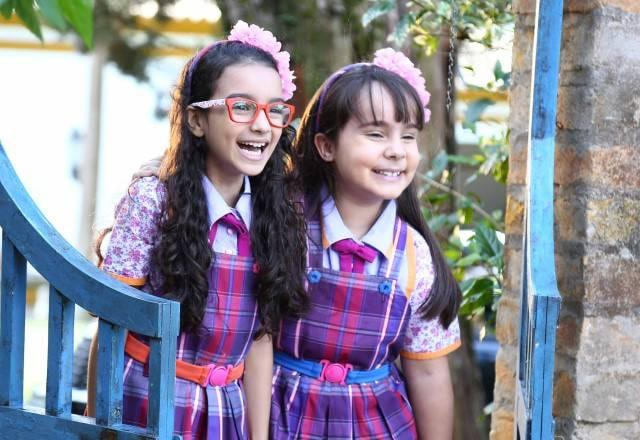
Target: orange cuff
(135, 282)
(431, 354)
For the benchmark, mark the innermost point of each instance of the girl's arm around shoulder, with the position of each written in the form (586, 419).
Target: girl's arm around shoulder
(258, 374)
(135, 231)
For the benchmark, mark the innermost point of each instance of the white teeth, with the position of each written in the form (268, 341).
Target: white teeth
(254, 144)
(388, 173)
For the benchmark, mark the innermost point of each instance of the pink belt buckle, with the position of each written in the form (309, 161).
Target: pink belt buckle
(334, 372)
(218, 375)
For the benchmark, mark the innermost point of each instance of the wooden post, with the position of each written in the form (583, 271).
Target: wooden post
(540, 301)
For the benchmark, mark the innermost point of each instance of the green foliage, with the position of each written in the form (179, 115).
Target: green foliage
(469, 234)
(481, 21)
(59, 14)
(378, 9)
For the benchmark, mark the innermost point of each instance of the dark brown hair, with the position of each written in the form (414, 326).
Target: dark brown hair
(183, 254)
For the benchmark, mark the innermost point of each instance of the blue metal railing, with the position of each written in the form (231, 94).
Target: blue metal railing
(28, 237)
(540, 301)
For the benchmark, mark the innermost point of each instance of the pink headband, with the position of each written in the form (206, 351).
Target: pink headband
(253, 35)
(395, 62)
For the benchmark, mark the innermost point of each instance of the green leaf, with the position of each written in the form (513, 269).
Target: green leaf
(437, 222)
(497, 70)
(51, 12)
(379, 8)
(452, 254)
(26, 12)
(468, 260)
(487, 241)
(467, 215)
(400, 33)
(437, 198)
(462, 159)
(478, 295)
(438, 165)
(474, 112)
(6, 8)
(80, 14)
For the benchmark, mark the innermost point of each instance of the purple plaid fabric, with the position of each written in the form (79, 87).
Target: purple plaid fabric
(224, 338)
(357, 319)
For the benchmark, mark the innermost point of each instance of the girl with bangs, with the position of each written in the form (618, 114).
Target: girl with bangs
(379, 287)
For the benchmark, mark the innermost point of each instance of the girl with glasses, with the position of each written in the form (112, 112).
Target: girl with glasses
(218, 232)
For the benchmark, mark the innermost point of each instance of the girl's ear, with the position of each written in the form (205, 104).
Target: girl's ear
(196, 122)
(324, 146)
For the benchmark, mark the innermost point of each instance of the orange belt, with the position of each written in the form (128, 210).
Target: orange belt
(215, 375)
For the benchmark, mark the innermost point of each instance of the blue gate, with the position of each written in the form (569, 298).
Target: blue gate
(540, 301)
(28, 236)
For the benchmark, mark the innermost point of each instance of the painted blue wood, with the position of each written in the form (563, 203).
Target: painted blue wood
(68, 270)
(109, 373)
(547, 422)
(161, 373)
(540, 300)
(12, 315)
(28, 236)
(35, 424)
(60, 354)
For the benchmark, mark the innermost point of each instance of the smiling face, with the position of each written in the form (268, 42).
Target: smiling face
(238, 149)
(375, 157)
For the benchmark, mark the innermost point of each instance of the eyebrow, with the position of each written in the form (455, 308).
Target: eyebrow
(383, 124)
(244, 95)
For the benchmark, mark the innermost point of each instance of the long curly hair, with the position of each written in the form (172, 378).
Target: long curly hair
(183, 254)
(340, 102)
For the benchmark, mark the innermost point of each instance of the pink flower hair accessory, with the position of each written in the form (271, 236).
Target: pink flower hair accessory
(398, 63)
(256, 36)
(262, 39)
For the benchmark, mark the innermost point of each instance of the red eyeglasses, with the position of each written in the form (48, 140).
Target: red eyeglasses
(245, 111)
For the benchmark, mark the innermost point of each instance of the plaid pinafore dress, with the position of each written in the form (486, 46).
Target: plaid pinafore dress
(355, 320)
(223, 338)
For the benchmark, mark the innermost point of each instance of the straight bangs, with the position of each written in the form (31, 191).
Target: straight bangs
(356, 98)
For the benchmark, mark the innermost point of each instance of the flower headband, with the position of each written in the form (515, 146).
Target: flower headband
(253, 35)
(392, 61)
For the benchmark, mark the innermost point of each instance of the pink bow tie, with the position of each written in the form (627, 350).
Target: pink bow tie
(353, 255)
(244, 239)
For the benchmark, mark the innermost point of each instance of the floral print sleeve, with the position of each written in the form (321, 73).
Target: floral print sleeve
(135, 231)
(426, 339)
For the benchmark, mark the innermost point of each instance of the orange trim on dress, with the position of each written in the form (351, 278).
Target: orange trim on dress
(411, 264)
(135, 282)
(431, 355)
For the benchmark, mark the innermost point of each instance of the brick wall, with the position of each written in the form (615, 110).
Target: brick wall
(597, 222)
